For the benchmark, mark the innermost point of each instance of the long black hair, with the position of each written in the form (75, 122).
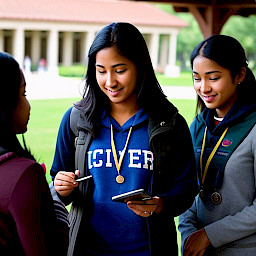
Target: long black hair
(227, 52)
(9, 100)
(129, 43)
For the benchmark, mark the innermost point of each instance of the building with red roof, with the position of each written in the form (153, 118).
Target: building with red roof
(61, 31)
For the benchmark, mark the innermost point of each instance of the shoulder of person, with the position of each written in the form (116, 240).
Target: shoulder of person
(65, 124)
(12, 168)
(15, 162)
(195, 121)
(79, 121)
(67, 114)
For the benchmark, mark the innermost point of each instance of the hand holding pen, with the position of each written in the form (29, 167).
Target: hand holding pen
(65, 182)
(83, 178)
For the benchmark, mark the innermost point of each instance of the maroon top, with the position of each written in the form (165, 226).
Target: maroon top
(28, 224)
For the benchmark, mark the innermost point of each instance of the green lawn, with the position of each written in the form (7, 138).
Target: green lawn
(43, 126)
(187, 108)
(185, 79)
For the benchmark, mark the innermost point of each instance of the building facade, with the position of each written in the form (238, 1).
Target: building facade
(61, 33)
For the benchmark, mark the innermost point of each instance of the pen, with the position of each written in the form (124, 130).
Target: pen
(84, 178)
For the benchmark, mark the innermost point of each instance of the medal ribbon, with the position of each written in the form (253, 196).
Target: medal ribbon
(119, 163)
(203, 174)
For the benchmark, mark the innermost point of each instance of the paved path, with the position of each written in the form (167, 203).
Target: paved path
(46, 86)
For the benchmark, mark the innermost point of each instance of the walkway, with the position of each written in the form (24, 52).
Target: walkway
(45, 86)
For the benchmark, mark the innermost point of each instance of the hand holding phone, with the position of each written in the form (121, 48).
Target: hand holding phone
(134, 195)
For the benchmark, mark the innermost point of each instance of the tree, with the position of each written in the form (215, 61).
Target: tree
(188, 37)
(244, 30)
(241, 28)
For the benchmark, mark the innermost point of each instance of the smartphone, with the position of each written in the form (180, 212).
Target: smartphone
(138, 194)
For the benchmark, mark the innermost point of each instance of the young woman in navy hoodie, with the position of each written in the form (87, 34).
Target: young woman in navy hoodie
(124, 110)
(222, 220)
(28, 223)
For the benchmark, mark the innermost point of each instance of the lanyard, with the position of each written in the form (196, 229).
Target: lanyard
(203, 174)
(119, 178)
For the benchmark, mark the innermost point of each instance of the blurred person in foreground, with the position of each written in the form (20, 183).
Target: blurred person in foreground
(28, 222)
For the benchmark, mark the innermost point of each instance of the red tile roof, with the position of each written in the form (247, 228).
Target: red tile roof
(88, 11)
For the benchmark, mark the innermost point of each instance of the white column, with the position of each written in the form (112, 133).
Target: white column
(36, 47)
(18, 46)
(67, 48)
(1, 40)
(172, 49)
(171, 69)
(153, 49)
(83, 53)
(164, 51)
(88, 42)
(52, 52)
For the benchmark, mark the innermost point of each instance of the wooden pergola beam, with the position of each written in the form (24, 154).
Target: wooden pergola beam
(211, 15)
(211, 19)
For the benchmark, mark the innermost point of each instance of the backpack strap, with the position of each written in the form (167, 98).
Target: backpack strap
(74, 116)
(82, 141)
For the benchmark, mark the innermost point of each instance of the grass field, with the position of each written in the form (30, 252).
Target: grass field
(43, 126)
(185, 79)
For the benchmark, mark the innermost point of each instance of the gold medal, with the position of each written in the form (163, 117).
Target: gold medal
(216, 198)
(120, 179)
(201, 193)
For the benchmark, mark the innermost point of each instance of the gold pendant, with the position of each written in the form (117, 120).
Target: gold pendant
(216, 198)
(120, 179)
(201, 193)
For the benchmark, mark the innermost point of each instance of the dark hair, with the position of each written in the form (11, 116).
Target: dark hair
(129, 43)
(227, 52)
(9, 100)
